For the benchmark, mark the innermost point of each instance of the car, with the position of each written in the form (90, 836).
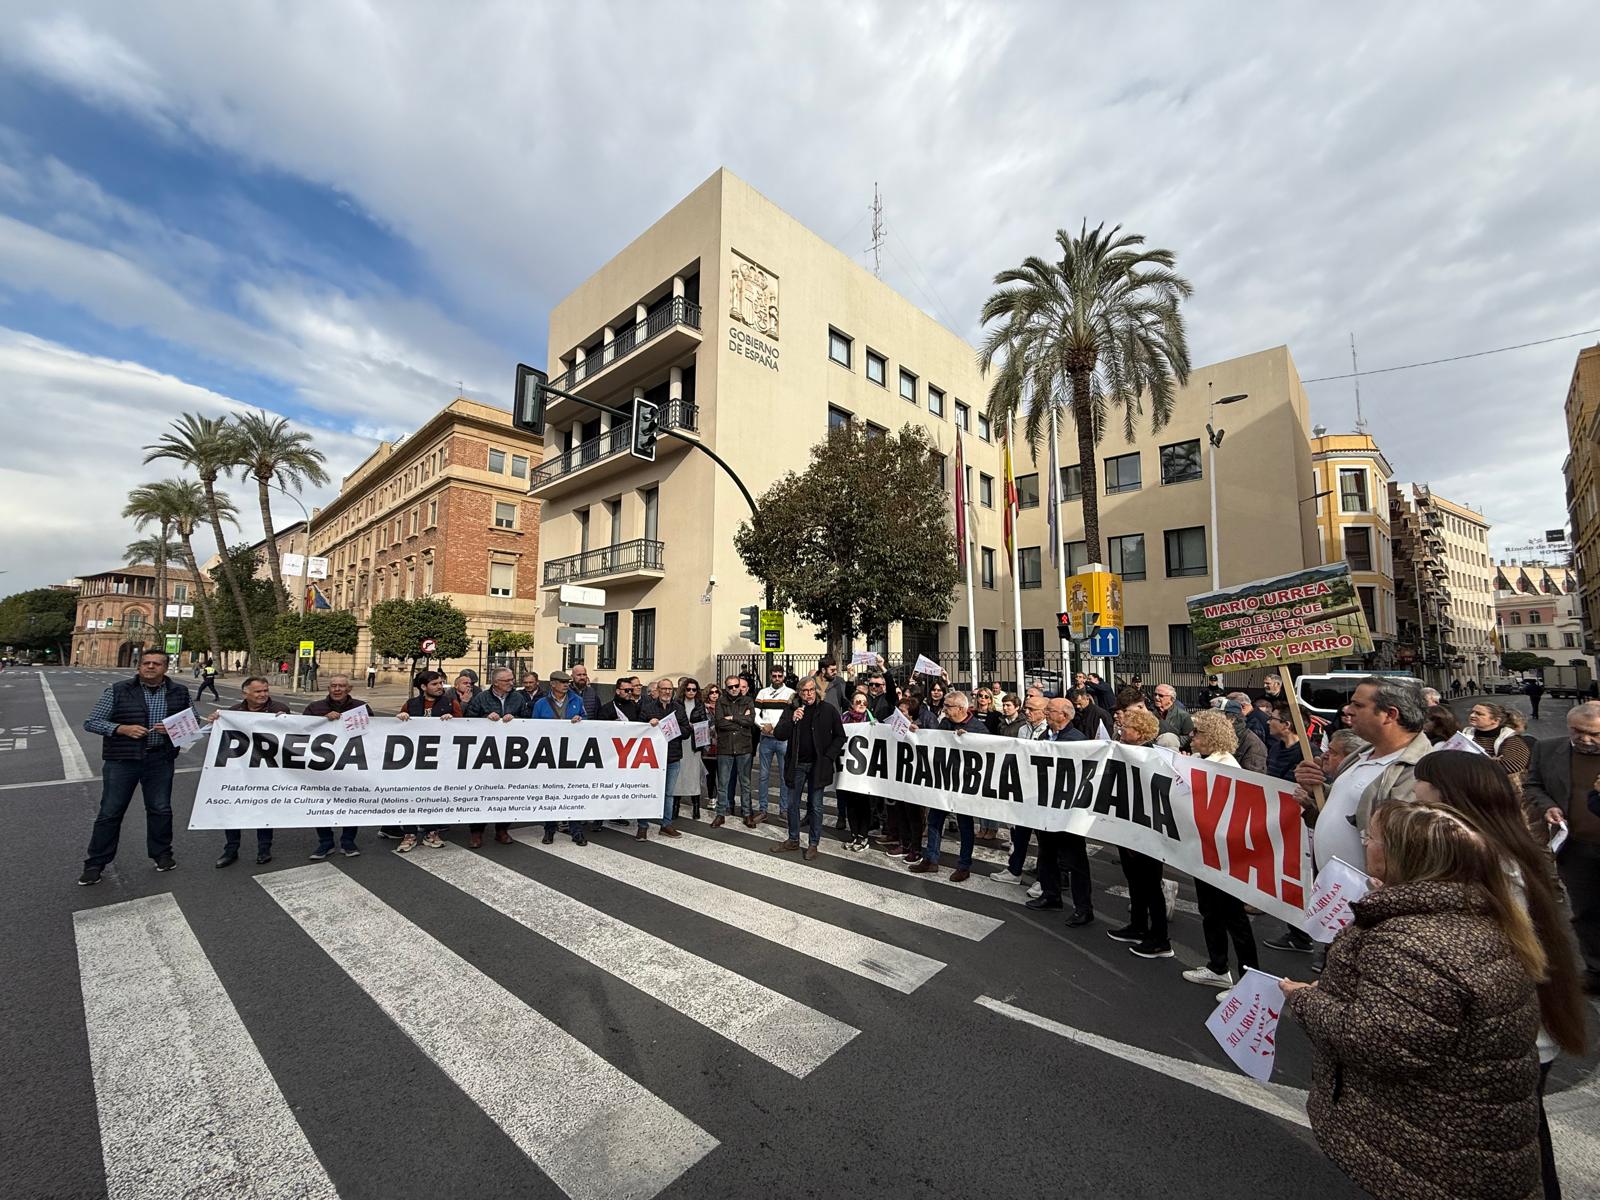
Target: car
(1326, 695)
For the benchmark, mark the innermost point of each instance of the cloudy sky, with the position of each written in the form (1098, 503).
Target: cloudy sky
(339, 210)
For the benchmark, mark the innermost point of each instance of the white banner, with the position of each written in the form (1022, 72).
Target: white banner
(1237, 830)
(926, 666)
(294, 564)
(279, 771)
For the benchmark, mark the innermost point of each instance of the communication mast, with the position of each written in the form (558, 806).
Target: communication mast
(1355, 373)
(878, 233)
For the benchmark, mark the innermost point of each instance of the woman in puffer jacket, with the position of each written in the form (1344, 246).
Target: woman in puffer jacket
(1423, 1024)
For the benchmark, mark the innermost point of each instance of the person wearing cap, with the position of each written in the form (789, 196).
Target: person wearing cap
(561, 703)
(1252, 751)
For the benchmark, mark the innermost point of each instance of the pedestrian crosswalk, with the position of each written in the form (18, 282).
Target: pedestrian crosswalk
(168, 1045)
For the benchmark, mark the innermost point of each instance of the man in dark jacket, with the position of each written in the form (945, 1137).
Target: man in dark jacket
(256, 695)
(137, 753)
(431, 700)
(1283, 747)
(736, 741)
(1535, 692)
(655, 708)
(1174, 717)
(958, 718)
(1562, 776)
(1089, 718)
(1101, 691)
(1055, 846)
(831, 685)
(624, 702)
(813, 734)
(333, 706)
(585, 691)
(497, 702)
(1252, 751)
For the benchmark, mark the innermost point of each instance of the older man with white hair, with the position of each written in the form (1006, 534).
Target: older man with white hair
(1561, 780)
(958, 718)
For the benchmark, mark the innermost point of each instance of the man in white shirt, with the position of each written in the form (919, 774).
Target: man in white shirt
(771, 703)
(1388, 712)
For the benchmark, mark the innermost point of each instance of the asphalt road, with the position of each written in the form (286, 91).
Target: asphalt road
(705, 1024)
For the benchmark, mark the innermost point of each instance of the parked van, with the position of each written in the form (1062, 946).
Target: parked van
(1326, 695)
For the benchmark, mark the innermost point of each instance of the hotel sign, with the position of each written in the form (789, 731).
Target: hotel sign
(753, 304)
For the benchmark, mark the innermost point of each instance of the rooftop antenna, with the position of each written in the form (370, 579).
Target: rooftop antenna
(1361, 421)
(877, 231)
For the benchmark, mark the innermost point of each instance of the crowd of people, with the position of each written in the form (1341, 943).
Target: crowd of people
(1434, 1017)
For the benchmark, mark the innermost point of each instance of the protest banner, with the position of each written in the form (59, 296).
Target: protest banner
(863, 658)
(702, 735)
(1237, 830)
(926, 666)
(899, 723)
(276, 771)
(357, 719)
(184, 728)
(1338, 885)
(1245, 1023)
(1462, 741)
(668, 727)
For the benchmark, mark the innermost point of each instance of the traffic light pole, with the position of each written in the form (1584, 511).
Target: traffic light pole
(696, 443)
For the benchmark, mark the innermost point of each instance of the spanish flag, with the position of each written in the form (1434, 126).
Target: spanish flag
(1011, 507)
(316, 599)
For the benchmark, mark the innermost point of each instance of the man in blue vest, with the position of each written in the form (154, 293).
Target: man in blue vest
(137, 753)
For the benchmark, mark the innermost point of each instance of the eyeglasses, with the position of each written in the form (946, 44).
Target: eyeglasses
(949, 705)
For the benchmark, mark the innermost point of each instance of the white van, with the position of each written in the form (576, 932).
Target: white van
(1326, 695)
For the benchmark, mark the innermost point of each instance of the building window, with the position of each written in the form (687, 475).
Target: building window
(1180, 642)
(990, 660)
(1180, 462)
(1125, 555)
(876, 432)
(1358, 547)
(1569, 640)
(839, 348)
(1027, 490)
(519, 466)
(986, 569)
(986, 490)
(427, 577)
(502, 579)
(1369, 605)
(1028, 567)
(838, 418)
(935, 401)
(1033, 649)
(940, 462)
(1122, 474)
(967, 483)
(1072, 482)
(1077, 556)
(1136, 641)
(983, 426)
(1353, 491)
(1516, 618)
(433, 514)
(1186, 551)
(505, 515)
(963, 417)
(180, 592)
(1534, 618)
(605, 658)
(877, 369)
(644, 639)
(908, 386)
(497, 461)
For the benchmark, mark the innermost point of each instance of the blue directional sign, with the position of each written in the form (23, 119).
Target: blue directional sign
(1106, 643)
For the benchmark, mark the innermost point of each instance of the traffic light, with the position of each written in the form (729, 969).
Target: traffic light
(527, 408)
(1064, 625)
(646, 428)
(750, 624)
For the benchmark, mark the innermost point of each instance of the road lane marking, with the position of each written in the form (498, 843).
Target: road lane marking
(902, 970)
(905, 905)
(74, 766)
(1274, 1099)
(597, 1134)
(187, 1106)
(786, 1033)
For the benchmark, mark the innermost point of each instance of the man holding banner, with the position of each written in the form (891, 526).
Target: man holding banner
(497, 702)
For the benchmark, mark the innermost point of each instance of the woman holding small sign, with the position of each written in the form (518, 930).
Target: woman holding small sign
(1422, 1026)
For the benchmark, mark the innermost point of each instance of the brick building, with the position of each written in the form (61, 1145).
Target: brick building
(442, 512)
(117, 615)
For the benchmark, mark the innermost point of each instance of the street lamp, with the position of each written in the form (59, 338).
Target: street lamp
(1214, 439)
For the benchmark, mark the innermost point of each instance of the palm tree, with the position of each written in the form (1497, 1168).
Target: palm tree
(181, 504)
(146, 506)
(266, 449)
(206, 446)
(1100, 330)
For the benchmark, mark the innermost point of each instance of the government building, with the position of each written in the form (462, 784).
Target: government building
(756, 336)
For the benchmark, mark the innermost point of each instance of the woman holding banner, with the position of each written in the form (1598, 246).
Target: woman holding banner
(1478, 789)
(1222, 916)
(1423, 1024)
(1146, 930)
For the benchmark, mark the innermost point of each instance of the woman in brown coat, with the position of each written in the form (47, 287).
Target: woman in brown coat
(1423, 1024)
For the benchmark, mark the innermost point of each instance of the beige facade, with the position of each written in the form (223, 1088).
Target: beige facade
(1352, 514)
(443, 512)
(757, 334)
(1458, 538)
(1582, 471)
(119, 613)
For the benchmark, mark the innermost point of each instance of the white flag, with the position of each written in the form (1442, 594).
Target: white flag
(1337, 887)
(1559, 838)
(357, 719)
(183, 728)
(926, 666)
(669, 728)
(898, 722)
(863, 658)
(702, 735)
(1245, 1023)
(1103, 733)
(1460, 741)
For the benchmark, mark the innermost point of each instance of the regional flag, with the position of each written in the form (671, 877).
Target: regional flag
(961, 505)
(1011, 508)
(316, 599)
(1052, 502)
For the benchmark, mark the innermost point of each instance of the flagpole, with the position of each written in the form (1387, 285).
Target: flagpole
(1059, 555)
(972, 619)
(1016, 550)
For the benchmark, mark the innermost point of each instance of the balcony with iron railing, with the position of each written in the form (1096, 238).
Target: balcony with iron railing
(626, 562)
(663, 337)
(610, 453)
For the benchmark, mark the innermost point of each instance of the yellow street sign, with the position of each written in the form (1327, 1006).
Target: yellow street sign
(307, 649)
(772, 630)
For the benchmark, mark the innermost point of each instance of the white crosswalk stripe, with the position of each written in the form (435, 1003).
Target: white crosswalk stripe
(894, 967)
(918, 909)
(785, 1032)
(187, 1106)
(607, 1138)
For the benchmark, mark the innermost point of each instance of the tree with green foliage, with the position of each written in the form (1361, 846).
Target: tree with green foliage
(179, 504)
(1099, 330)
(1521, 660)
(333, 632)
(267, 450)
(398, 628)
(859, 540)
(39, 621)
(507, 641)
(231, 632)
